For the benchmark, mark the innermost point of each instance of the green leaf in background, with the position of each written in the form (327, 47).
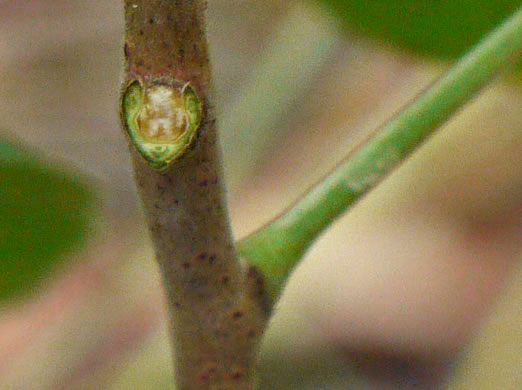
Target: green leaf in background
(44, 213)
(442, 29)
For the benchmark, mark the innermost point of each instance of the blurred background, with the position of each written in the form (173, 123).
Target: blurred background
(387, 298)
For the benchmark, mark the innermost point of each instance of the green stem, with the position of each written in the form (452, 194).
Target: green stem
(276, 248)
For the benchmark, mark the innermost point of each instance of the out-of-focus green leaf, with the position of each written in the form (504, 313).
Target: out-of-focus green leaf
(11, 153)
(438, 28)
(44, 213)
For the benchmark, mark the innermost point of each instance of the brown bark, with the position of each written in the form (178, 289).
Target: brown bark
(216, 306)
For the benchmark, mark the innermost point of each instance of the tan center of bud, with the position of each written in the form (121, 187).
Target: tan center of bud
(163, 118)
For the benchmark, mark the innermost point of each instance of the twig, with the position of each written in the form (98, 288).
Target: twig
(216, 306)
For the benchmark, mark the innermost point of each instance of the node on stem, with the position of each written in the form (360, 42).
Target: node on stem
(161, 120)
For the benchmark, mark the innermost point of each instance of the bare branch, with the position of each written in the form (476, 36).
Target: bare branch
(216, 306)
